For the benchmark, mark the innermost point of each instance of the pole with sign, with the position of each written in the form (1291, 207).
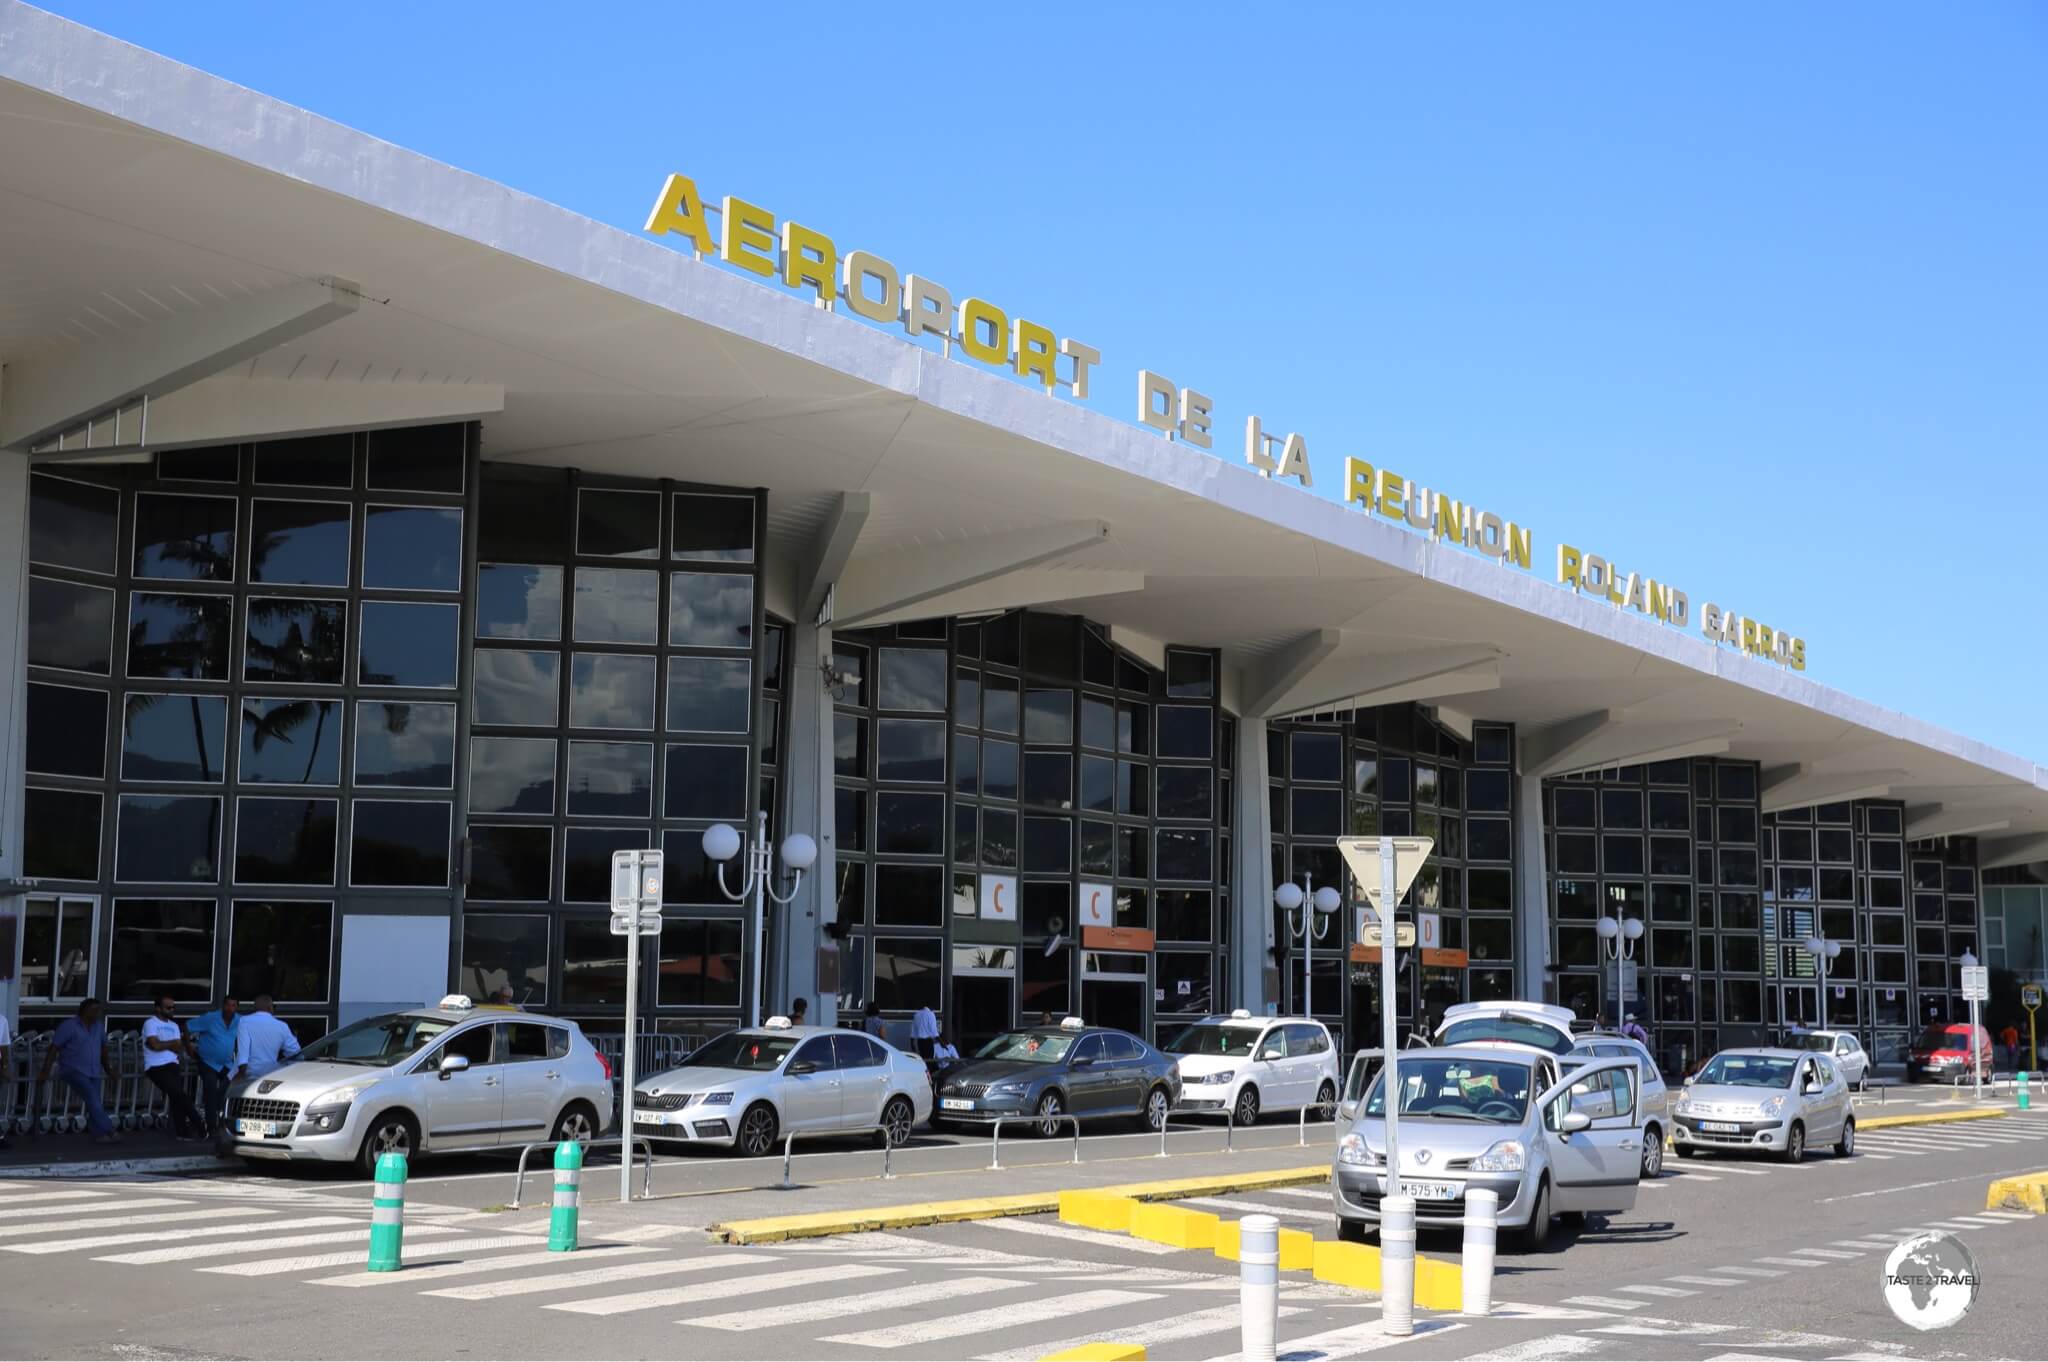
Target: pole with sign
(1976, 988)
(1384, 867)
(2030, 998)
(636, 912)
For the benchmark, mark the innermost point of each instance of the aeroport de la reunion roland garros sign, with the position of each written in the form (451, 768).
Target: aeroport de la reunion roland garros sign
(751, 238)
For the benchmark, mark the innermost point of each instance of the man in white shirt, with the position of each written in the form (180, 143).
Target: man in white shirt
(924, 1031)
(163, 1046)
(262, 1042)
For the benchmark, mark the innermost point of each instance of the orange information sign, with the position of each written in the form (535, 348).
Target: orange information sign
(1116, 939)
(1446, 959)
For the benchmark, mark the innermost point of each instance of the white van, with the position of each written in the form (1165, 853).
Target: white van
(1244, 1065)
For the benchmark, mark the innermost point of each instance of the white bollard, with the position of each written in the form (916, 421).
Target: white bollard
(1482, 1211)
(1258, 1260)
(1397, 1266)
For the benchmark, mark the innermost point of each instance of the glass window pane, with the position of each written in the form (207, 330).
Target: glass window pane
(518, 600)
(1049, 779)
(61, 834)
(290, 742)
(70, 626)
(412, 548)
(611, 779)
(307, 461)
(615, 523)
(907, 973)
(299, 543)
(701, 962)
(593, 964)
(67, 731)
(1049, 717)
(514, 686)
(399, 843)
(1049, 845)
(174, 737)
(999, 839)
(1313, 813)
(214, 463)
(706, 781)
(523, 513)
(910, 895)
(405, 644)
(168, 839)
(1098, 722)
(1489, 839)
(290, 640)
(999, 704)
(187, 538)
(849, 746)
(417, 458)
(709, 694)
(910, 824)
(285, 841)
(1098, 784)
(72, 524)
(162, 946)
(1190, 675)
(510, 862)
(178, 636)
(611, 690)
(1185, 731)
(910, 750)
(1133, 789)
(1316, 756)
(713, 528)
(617, 605)
(402, 743)
(505, 950)
(511, 775)
(1184, 914)
(913, 678)
(1184, 854)
(587, 861)
(711, 610)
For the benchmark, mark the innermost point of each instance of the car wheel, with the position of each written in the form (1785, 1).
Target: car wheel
(1846, 1146)
(1246, 1112)
(897, 1118)
(1050, 1110)
(577, 1122)
(1157, 1106)
(757, 1132)
(1795, 1143)
(1326, 1101)
(1536, 1234)
(392, 1133)
(1354, 1232)
(1653, 1152)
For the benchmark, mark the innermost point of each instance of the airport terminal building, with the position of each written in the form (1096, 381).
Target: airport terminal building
(382, 549)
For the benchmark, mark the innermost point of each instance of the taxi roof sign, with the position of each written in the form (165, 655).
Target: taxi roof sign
(1362, 854)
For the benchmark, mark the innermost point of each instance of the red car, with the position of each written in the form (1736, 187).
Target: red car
(1942, 1051)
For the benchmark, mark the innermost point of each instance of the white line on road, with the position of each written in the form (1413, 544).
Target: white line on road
(1220, 1319)
(1837, 1254)
(1788, 1262)
(1079, 1236)
(918, 1333)
(1747, 1271)
(1980, 1220)
(114, 1222)
(867, 1302)
(95, 1208)
(278, 1267)
(1541, 1349)
(1707, 1281)
(1672, 1291)
(1253, 1207)
(1605, 1302)
(250, 1246)
(1888, 1191)
(589, 1276)
(1869, 1242)
(173, 1235)
(75, 1194)
(1350, 1341)
(434, 1272)
(1321, 1194)
(2011, 1215)
(742, 1286)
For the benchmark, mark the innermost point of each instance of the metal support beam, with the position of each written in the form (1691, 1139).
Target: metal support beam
(1532, 892)
(1610, 737)
(831, 550)
(1944, 820)
(57, 389)
(1799, 786)
(888, 583)
(2005, 851)
(1254, 980)
(1032, 586)
(1458, 721)
(1364, 680)
(1271, 678)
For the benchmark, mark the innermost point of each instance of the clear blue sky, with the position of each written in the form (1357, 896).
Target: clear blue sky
(1751, 298)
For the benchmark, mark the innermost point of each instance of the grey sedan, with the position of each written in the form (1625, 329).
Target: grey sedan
(1052, 1072)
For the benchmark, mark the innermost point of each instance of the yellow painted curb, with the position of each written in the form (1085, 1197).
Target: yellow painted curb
(1439, 1285)
(1297, 1251)
(1099, 1352)
(1175, 1226)
(1931, 1118)
(1227, 1240)
(2027, 1192)
(1353, 1265)
(1097, 1211)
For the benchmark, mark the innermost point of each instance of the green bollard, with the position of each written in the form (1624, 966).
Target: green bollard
(387, 1215)
(2024, 1102)
(568, 1190)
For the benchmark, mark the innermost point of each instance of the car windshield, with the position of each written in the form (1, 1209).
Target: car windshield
(1748, 1071)
(741, 1050)
(1515, 1030)
(1940, 1037)
(1208, 1038)
(377, 1042)
(1458, 1089)
(1029, 1047)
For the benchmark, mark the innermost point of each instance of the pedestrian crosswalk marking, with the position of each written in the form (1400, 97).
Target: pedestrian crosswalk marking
(241, 1246)
(1673, 1291)
(613, 1268)
(1081, 1236)
(1836, 1254)
(1979, 1220)
(115, 1222)
(866, 1303)
(169, 1234)
(924, 1332)
(1254, 1207)
(1789, 1262)
(740, 1286)
(76, 1194)
(278, 1267)
(1707, 1281)
(1747, 1271)
(1871, 1243)
(1321, 1194)
(14, 1212)
(1221, 1319)
(2011, 1215)
(1605, 1302)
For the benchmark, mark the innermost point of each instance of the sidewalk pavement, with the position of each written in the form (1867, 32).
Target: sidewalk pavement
(76, 1155)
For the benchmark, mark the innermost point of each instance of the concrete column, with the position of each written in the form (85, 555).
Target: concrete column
(13, 694)
(809, 803)
(1532, 891)
(1252, 974)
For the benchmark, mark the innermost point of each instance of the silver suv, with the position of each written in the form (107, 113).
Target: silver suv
(444, 1078)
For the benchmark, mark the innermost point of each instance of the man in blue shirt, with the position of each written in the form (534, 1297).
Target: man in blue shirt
(213, 1045)
(78, 1051)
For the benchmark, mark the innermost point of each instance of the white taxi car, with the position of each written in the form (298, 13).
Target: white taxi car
(746, 1088)
(1244, 1065)
(454, 1076)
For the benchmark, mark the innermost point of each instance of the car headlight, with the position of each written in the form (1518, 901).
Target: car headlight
(1223, 1077)
(1771, 1106)
(1505, 1157)
(1008, 1088)
(1683, 1108)
(1352, 1150)
(338, 1097)
(717, 1099)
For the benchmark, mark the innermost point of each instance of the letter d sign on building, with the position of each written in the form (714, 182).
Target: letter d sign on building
(636, 912)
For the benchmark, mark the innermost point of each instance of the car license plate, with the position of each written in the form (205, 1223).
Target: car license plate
(956, 1104)
(1432, 1191)
(1724, 1127)
(261, 1129)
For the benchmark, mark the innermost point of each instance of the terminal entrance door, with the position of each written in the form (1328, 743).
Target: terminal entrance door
(1800, 1006)
(984, 994)
(1114, 990)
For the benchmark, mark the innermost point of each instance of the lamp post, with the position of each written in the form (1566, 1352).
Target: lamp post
(1823, 952)
(799, 852)
(1311, 926)
(1618, 943)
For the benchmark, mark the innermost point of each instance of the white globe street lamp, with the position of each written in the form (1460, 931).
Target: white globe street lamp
(1618, 939)
(1824, 953)
(1310, 926)
(799, 853)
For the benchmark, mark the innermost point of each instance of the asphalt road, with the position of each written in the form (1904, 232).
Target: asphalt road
(1719, 1260)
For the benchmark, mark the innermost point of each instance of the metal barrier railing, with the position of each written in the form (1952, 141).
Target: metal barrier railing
(1329, 1110)
(646, 1176)
(1229, 1131)
(789, 1149)
(995, 1147)
(29, 1106)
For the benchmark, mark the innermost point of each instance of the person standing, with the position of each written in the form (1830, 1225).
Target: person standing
(211, 1040)
(263, 1043)
(163, 1045)
(799, 1011)
(78, 1053)
(872, 1023)
(2011, 1036)
(924, 1032)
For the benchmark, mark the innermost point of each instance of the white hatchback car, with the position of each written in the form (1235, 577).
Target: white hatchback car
(747, 1088)
(1850, 1057)
(451, 1077)
(1244, 1064)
